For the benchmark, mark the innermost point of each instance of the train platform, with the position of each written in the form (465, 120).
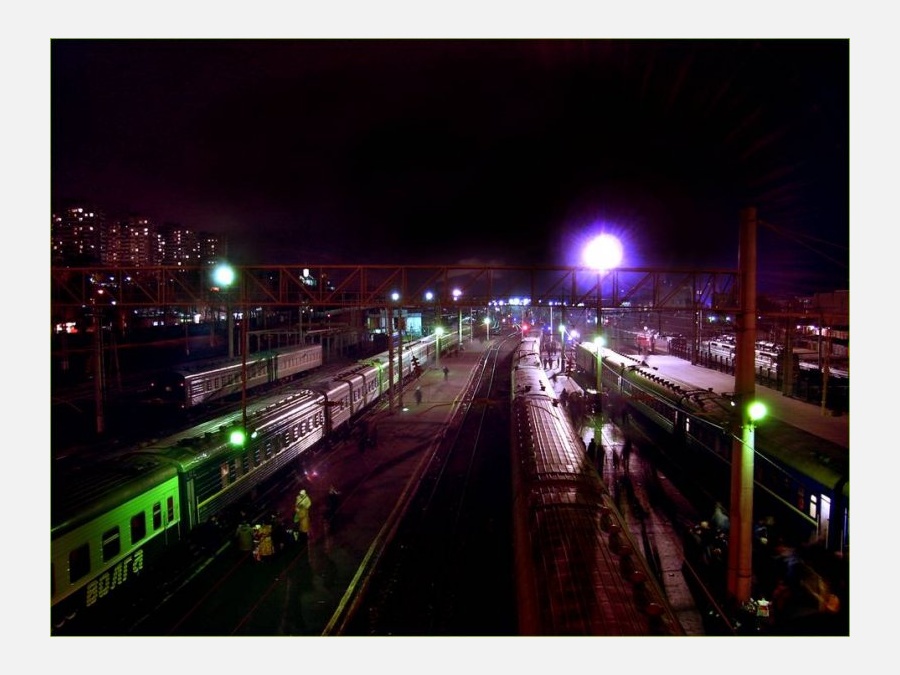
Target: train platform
(347, 537)
(371, 479)
(648, 525)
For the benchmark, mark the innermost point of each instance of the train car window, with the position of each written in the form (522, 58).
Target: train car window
(245, 464)
(111, 543)
(232, 470)
(813, 507)
(138, 527)
(170, 508)
(79, 562)
(157, 516)
(268, 452)
(257, 459)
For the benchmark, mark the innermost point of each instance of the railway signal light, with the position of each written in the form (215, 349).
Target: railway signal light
(756, 411)
(237, 438)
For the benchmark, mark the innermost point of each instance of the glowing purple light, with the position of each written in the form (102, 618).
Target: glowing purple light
(603, 253)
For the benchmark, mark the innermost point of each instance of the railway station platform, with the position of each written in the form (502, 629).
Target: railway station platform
(647, 526)
(370, 478)
(373, 478)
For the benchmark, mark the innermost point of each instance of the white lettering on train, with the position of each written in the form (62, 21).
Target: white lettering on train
(115, 577)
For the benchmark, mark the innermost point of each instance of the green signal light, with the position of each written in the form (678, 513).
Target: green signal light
(756, 411)
(237, 438)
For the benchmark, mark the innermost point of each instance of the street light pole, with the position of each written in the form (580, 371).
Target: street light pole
(224, 276)
(598, 343)
(437, 353)
(562, 347)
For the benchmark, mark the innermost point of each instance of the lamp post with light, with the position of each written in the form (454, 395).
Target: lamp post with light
(223, 277)
(562, 348)
(438, 331)
(603, 253)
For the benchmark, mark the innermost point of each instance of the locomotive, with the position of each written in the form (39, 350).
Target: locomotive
(115, 518)
(578, 570)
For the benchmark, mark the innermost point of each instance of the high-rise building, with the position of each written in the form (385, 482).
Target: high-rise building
(178, 245)
(80, 235)
(130, 241)
(213, 248)
(76, 235)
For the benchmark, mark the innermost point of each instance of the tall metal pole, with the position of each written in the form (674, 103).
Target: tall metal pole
(98, 370)
(400, 327)
(740, 541)
(390, 336)
(229, 323)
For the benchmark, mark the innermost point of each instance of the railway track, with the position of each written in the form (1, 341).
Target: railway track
(446, 570)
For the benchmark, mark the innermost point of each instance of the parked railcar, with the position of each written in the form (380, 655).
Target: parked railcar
(578, 570)
(799, 476)
(117, 517)
(201, 383)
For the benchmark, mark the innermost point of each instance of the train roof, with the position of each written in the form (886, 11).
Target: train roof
(206, 365)
(84, 489)
(813, 456)
(82, 492)
(196, 443)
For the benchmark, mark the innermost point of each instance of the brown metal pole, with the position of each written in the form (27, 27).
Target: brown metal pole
(740, 542)
(390, 337)
(98, 370)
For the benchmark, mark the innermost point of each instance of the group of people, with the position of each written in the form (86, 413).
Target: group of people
(597, 454)
(267, 538)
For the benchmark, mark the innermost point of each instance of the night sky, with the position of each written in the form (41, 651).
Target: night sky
(376, 150)
(468, 151)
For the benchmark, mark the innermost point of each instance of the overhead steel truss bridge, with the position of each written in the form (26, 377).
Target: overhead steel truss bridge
(370, 286)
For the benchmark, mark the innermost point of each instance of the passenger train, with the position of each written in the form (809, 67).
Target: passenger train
(202, 383)
(769, 358)
(114, 519)
(801, 479)
(578, 570)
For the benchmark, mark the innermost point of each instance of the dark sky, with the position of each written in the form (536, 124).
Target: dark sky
(444, 151)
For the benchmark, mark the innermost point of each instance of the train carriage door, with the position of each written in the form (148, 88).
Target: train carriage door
(190, 515)
(824, 518)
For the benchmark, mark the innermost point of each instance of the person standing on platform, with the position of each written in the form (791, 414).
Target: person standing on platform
(615, 460)
(301, 512)
(332, 503)
(244, 537)
(626, 453)
(446, 373)
(418, 395)
(266, 547)
(592, 450)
